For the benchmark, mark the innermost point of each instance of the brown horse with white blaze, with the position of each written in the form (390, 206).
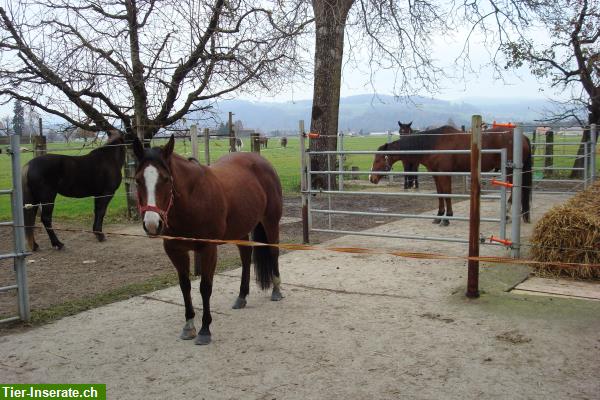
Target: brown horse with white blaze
(239, 194)
(497, 138)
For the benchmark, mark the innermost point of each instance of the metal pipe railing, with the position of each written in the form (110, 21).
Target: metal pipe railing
(397, 215)
(435, 195)
(19, 230)
(392, 152)
(516, 193)
(426, 173)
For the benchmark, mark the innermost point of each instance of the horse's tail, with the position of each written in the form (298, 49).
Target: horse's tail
(29, 212)
(527, 182)
(264, 260)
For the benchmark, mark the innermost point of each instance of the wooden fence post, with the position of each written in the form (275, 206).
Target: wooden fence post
(231, 134)
(474, 213)
(304, 184)
(130, 186)
(549, 151)
(194, 140)
(207, 146)
(255, 142)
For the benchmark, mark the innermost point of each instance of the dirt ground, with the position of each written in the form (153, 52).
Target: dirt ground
(85, 268)
(351, 326)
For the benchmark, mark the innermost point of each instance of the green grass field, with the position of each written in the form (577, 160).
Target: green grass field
(286, 162)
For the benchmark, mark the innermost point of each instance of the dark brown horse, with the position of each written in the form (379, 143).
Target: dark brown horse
(238, 194)
(497, 138)
(97, 174)
(406, 129)
(283, 141)
(409, 180)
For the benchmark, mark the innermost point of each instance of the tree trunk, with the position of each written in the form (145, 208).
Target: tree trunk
(593, 118)
(330, 17)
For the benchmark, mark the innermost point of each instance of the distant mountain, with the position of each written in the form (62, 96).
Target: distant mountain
(379, 113)
(375, 113)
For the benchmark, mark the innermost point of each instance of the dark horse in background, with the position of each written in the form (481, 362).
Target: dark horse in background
(497, 138)
(239, 194)
(409, 180)
(406, 129)
(97, 174)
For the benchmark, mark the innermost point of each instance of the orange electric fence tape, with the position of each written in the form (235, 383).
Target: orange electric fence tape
(496, 182)
(505, 125)
(353, 250)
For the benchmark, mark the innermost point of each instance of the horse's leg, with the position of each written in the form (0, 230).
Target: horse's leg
(47, 209)
(100, 205)
(406, 168)
(29, 215)
(181, 260)
(446, 184)
(246, 257)
(441, 210)
(29, 212)
(272, 232)
(209, 264)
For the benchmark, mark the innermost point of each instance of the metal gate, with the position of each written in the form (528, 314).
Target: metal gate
(19, 253)
(307, 192)
(555, 157)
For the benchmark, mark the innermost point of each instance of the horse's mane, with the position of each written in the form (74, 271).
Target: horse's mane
(411, 142)
(112, 143)
(424, 140)
(440, 131)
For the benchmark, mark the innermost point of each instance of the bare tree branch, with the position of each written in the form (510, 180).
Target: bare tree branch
(144, 63)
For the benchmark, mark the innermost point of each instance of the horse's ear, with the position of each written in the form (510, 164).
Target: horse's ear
(138, 148)
(400, 124)
(409, 124)
(167, 150)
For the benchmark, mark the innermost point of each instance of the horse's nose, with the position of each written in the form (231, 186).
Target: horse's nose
(152, 226)
(374, 178)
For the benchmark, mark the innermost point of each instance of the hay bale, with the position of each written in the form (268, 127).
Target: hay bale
(570, 233)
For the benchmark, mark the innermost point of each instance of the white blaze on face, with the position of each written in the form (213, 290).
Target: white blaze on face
(151, 219)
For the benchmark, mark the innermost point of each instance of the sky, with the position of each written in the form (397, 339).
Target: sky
(482, 83)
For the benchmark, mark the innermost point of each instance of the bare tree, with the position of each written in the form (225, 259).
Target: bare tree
(396, 36)
(142, 64)
(570, 59)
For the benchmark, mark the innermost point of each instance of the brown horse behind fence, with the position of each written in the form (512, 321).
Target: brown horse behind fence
(496, 138)
(238, 194)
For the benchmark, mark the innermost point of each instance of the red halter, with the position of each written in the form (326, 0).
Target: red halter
(163, 214)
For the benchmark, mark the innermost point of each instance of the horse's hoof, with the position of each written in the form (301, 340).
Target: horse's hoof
(276, 295)
(445, 222)
(35, 247)
(188, 333)
(101, 237)
(59, 246)
(239, 303)
(436, 221)
(202, 339)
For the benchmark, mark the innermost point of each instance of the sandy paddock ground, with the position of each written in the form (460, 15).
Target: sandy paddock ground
(351, 326)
